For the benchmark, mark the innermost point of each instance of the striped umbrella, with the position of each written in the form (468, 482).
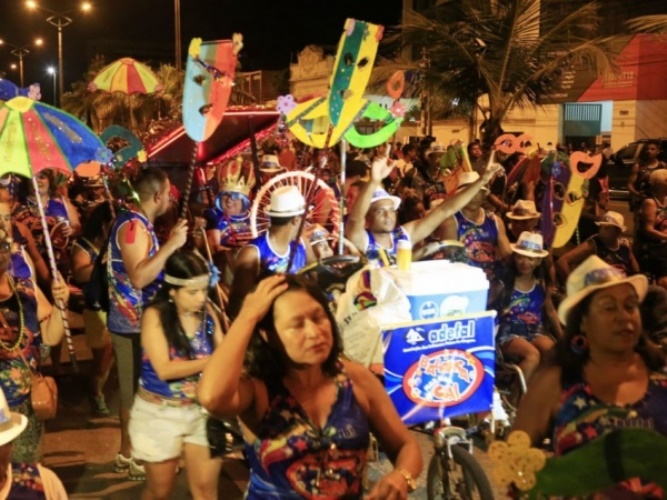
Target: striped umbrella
(127, 76)
(34, 137)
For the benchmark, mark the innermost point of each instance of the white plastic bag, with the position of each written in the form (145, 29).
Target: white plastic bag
(371, 299)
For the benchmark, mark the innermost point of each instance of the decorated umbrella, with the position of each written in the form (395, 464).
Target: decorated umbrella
(127, 76)
(34, 137)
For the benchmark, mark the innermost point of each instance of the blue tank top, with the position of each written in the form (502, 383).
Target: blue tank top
(184, 388)
(481, 242)
(125, 301)
(582, 417)
(26, 483)
(234, 229)
(272, 262)
(292, 459)
(373, 247)
(619, 258)
(523, 314)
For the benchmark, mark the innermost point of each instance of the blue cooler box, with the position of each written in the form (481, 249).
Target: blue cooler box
(438, 289)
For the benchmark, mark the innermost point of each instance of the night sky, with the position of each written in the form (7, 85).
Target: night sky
(273, 30)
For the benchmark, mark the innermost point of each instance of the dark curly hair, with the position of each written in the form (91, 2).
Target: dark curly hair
(266, 362)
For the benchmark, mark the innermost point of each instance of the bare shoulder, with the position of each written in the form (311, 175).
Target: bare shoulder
(545, 384)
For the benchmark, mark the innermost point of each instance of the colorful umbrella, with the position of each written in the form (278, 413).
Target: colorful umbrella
(127, 76)
(34, 137)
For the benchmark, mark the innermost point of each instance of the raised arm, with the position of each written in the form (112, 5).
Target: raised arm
(421, 228)
(135, 245)
(246, 271)
(226, 392)
(355, 227)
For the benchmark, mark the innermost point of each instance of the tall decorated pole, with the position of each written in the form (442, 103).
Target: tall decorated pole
(324, 121)
(209, 78)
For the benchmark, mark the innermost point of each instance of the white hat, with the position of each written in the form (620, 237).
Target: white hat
(435, 149)
(380, 194)
(523, 210)
(467, 178)
(612, 218)
(320, 234)
(594, 274)
(530, 245)
(11, 423)
(286, 201)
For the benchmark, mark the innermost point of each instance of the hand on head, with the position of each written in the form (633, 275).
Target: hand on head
(258, 302)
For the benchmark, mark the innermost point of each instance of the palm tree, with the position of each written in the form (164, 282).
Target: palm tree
(510, 51)
(656, 23)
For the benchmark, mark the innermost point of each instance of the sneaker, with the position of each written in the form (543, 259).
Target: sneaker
(136, 472)
(99, 405)
(121, 464)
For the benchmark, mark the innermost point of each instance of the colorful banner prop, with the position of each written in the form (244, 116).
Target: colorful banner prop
(209, 78)
(442, 368)
(134, 148)
(323, 121)
(570, 186)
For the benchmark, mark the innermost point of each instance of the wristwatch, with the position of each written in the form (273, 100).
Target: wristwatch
(412, 483)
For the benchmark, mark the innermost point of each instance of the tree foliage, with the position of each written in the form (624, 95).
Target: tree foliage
(510, 52)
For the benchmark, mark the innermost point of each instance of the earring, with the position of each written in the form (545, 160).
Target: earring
(579, 344)
(170, 299)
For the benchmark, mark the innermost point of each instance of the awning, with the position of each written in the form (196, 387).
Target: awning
(175, 148)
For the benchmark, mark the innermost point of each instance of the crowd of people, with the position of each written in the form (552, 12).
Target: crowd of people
(187, 297)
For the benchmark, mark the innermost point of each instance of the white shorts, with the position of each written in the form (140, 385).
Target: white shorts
(159, 431)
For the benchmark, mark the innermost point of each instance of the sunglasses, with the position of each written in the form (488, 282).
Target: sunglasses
(233, 196)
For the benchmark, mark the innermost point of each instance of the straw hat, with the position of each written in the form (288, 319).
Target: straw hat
(612, 218)
(523, 210)
(380, 194)
(595, 274)
(11, 423)
(530, 245)
(286, 201)
(467, 178)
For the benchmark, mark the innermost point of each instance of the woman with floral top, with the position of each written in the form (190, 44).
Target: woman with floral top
(178, 332)
(27, 320)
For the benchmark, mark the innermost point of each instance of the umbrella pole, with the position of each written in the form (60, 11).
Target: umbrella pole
(222, 300)
(54, 270)
(188, 185)
(341, 223)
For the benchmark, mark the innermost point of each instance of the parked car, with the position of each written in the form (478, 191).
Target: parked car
(619, 167)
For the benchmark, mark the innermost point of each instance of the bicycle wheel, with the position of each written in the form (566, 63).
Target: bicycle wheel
(460, 478)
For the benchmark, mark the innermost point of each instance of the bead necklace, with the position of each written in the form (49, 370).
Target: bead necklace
(19, 340)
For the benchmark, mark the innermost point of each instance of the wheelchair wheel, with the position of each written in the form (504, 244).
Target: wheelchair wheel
(462, 477)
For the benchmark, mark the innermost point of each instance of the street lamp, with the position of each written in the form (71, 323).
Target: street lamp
(52, 71)
(59, 19)
(21, 51)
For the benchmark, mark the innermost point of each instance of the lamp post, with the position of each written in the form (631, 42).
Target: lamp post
(177, 33)
(59, 19)
(52, 71)
(21, 51)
